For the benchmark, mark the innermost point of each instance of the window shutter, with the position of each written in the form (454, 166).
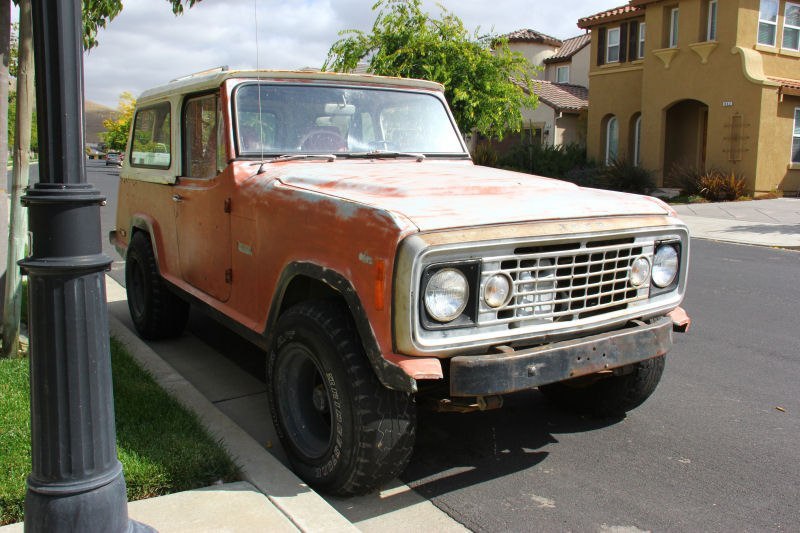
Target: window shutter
(601, 46)
(623, 43)
(633, 41)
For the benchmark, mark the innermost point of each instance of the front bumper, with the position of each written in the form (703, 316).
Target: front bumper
(502, 373)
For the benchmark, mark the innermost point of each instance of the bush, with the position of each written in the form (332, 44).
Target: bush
(718, 186)
(544, 160)
(686, 177)
(622, 175)
(485, 156)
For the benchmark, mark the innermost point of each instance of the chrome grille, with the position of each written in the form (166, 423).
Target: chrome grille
(564, 282)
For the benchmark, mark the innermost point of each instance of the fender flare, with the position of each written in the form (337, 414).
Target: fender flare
(389, 374)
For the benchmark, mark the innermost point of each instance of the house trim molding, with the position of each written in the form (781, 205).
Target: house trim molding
(703, 49)
(666, 55)
(753, 66)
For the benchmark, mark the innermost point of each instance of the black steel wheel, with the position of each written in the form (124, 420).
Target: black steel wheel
(156, 312)
(344, 432)
(613, 395)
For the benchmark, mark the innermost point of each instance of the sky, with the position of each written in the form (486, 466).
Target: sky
(147, 46)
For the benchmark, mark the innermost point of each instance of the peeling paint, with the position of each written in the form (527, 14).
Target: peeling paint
(365, 258)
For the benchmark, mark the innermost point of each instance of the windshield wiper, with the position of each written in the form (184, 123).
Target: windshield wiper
(387, 154)
(295, 157)
(291, 157)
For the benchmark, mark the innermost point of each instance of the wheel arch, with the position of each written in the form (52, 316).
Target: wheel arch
(145, 224)
(302, 281)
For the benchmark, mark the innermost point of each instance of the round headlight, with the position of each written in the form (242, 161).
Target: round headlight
(640, 271)
(446, 295)
(665, 265)
(497, 291)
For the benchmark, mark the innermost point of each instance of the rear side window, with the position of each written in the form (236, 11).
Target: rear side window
(151, 137)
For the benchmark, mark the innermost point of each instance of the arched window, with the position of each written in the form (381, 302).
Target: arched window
(637, 141)
(612, 139)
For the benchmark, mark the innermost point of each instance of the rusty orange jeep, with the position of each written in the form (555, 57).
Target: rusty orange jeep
(338, 222)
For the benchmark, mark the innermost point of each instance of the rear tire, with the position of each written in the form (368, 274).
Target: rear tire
(344, 432)
(608, 396)
(156, 312)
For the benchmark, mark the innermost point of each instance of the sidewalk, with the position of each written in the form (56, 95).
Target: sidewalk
(774, 223)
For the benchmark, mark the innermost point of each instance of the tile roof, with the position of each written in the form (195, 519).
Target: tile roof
(562, 96)
(571, 46)
(617, 13)
(531, 36)
(788, 86)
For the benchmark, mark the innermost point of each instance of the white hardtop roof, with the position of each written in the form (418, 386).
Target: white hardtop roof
(212, 79)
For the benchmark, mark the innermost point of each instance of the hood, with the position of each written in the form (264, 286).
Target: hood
(450, 194)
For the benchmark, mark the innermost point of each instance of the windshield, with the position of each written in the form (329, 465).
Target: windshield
(343, 121)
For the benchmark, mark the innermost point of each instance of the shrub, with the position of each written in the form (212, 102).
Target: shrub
(544, 160)
(718, 186)
(622, 175)
(686, 177)
(485, 155)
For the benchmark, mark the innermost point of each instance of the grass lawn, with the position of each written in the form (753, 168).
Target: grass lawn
(162, 447)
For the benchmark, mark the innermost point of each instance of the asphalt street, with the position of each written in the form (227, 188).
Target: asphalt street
(713, 449)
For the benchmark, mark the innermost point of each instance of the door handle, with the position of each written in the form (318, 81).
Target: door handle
(177, 198)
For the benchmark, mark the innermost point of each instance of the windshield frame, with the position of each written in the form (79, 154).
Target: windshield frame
(237, 85)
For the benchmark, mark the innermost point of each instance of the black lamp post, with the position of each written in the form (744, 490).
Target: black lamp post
(76, 483)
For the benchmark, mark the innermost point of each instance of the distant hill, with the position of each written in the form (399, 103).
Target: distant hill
(95, 114)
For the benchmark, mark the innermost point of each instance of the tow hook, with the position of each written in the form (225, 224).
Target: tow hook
(465, 405)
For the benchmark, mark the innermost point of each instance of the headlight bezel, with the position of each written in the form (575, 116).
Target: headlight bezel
(468, 317)
(673, 285)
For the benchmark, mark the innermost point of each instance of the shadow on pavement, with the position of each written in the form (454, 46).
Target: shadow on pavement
(766, 229)
(454, 451)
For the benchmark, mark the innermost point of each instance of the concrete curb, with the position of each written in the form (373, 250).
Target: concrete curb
(299, 503)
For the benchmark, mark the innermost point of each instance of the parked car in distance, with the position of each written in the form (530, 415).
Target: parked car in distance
(114, 158)
(338, 222)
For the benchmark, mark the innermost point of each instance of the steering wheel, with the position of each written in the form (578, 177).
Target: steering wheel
(323, 141)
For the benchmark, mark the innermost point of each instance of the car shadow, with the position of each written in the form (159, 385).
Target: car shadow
(454, 451)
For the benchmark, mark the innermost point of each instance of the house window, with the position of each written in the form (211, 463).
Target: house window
(673, 28)
(612, 140)
(796, 137)
(642, 29)
(637, 141)
(562, 74)
(711, 34)
(791, 27)
(767, 22)
(612, 48)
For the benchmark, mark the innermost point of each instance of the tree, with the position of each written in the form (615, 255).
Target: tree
(486, 84)
(96, 14)
(18, 225)
(117, 129)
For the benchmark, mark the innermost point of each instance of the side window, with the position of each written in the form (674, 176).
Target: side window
(201, 137)
(150, 147)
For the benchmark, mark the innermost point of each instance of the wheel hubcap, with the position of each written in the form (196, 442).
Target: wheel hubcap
(304, 401)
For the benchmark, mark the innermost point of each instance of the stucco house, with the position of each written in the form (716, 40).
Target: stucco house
(701, 84)
(561, 86)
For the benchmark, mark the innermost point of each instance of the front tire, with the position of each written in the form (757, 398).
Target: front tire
(344, 432)
(608, 396)
(156, 312)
